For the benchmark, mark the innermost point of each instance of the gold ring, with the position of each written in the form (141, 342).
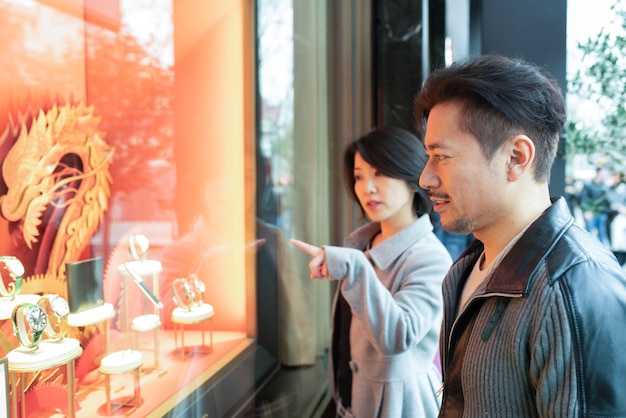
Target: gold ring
(57, 311)
(36, 319)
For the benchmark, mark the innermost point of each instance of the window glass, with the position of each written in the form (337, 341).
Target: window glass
(155, 150)
(123, 140)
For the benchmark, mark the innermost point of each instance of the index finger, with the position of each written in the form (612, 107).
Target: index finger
(307, 248)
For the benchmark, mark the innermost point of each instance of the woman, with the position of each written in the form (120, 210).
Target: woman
(387, 308)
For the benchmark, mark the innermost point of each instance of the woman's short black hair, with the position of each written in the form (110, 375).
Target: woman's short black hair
(396, 153)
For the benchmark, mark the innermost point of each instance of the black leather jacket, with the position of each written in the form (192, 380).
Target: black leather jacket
(544, 335)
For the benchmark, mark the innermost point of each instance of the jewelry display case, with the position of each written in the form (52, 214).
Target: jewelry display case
(111, 191)
(183, 367)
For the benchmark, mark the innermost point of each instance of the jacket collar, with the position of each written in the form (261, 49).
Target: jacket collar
(514, 273)
(516, 270)
(387, 251)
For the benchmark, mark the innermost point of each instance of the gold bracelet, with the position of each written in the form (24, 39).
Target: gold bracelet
(16, 271)
(188, 291)
(198, 288)
(57, 311)
(183, 293)
(35, 317)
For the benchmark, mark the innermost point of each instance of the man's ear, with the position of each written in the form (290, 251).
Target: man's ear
(521, 156)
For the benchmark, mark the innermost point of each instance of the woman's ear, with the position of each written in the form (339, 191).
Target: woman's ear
(521, 156)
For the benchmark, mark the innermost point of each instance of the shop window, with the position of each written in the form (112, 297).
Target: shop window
(139, 134)
(117, 124)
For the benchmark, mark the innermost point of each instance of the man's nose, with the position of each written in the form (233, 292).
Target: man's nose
(427, 178)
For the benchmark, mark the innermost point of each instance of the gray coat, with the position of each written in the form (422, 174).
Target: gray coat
(394, 291)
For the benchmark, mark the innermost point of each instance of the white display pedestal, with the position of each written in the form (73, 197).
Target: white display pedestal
(94, 316)
(181, 317)
(124, 361)
(145, 323)
(143, 268)
(46, 356)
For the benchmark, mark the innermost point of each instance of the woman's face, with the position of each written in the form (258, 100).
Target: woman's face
(384, 199)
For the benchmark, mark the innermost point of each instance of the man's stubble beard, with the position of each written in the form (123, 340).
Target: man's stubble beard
(459, 225)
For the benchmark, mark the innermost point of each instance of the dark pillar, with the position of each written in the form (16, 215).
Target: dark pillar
(532, 29)
(403, 44)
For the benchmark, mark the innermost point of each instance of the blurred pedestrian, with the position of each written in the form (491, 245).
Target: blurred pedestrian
(595, 205)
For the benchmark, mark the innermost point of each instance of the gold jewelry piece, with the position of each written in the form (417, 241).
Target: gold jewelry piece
(188, 291)
(16, 271)
(198, 287)
(138, 245)
(57, 311)
(183, 293)
(35, 317)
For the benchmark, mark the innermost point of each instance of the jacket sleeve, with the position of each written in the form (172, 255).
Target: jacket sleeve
(577, 352)
(398, 313)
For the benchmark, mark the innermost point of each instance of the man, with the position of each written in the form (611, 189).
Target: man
(533, 309)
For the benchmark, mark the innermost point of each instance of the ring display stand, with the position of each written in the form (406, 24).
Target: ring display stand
(143, 268)
(148, 321)
(181, 317)
(145, 323)
(119, 362)
(46, 356)
(93, 316)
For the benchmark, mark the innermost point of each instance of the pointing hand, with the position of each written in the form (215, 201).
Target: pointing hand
(317, 265)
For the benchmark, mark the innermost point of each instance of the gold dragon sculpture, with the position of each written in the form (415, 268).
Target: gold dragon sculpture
(58, 188)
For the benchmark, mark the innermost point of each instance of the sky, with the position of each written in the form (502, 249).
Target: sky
(585, 20)
(150, 21)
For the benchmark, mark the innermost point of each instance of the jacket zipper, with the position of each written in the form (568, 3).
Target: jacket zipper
(467, 305)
